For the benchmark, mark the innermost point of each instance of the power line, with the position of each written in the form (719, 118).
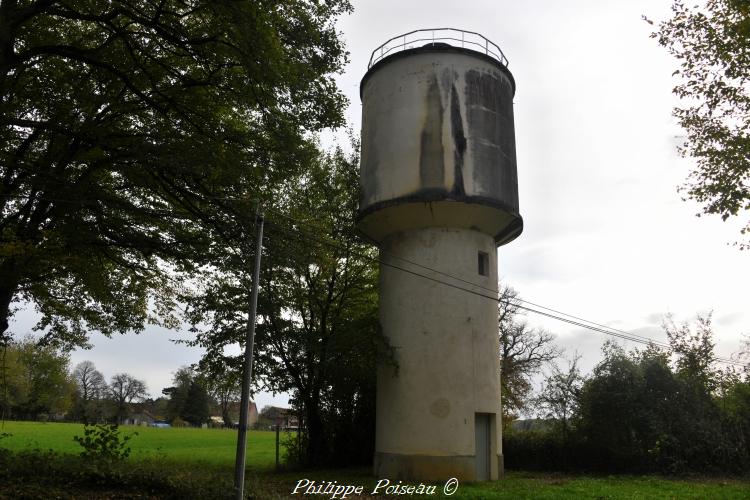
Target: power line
(570, 319)
(493, 290)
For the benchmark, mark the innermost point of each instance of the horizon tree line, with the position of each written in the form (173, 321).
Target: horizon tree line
(36, 383)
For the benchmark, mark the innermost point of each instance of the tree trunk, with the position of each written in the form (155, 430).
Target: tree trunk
(8, 287)
(225, 416)
(315, 432)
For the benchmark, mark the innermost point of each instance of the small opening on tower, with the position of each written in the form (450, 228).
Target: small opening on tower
(483, 263)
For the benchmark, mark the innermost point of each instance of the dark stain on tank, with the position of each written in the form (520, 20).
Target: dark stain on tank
(431, 165)
(368, 178)
(459, 142)
(489, 116)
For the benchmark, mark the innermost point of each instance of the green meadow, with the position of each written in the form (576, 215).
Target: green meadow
(216, 447)
(41, 461)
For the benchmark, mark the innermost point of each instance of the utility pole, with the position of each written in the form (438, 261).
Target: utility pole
(239, 464)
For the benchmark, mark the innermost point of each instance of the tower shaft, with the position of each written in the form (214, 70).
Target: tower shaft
(446, 348)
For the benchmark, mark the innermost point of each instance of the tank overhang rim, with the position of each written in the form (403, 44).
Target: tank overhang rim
(431, 48)
(510, 233)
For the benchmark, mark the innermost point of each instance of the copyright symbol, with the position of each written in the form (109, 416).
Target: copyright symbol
(450, 487)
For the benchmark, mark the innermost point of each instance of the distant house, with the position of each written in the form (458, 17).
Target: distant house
(252, 416)
(234, 411)
(141, 418)
(285, 418)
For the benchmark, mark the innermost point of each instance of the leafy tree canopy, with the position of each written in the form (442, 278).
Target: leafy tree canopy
(318, 334)
(125, 126)
(188, 397)
(712, 44)
(657, 409)
(35, 380)
(197, 404)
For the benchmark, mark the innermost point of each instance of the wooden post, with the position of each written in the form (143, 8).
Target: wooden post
(277, 446)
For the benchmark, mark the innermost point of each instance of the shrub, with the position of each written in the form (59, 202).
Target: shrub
(102, 441)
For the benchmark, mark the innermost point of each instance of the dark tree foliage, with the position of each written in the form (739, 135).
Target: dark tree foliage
(125, 125)
(652, 410)
(318, 333)
(188, 398)
(178, 393)
(626, 406)
(196, 409)
(34, 381)
(712, 44)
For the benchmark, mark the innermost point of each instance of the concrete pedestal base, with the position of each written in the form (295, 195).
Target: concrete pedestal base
(395, 466)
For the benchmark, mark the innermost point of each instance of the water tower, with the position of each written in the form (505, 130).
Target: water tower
(439, 195)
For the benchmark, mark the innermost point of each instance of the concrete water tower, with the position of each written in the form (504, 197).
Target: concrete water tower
(439, 195)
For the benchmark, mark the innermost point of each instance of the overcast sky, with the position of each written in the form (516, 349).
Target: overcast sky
(606, 235)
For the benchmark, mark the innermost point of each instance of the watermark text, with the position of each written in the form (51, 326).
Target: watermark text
(335, 490)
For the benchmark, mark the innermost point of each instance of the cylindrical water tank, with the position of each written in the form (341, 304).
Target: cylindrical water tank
(438, 143)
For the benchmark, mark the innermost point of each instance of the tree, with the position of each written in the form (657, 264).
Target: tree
(697, 432)
(156, 407)
(91, 388)
(694, 351)
(658, 409)
(559, 397)
(667, 410)
(627, 407)
(36, 382)
(737, 406)
(127, 129)
(712, 43)
(743, 355)
(188, 398)
(196, 409)
(318, 333)
(124, 389)
(224, 387)
(523, 352)
(178, 393)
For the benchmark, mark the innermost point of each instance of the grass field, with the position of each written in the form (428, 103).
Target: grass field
(185, 445)
(206, 457)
